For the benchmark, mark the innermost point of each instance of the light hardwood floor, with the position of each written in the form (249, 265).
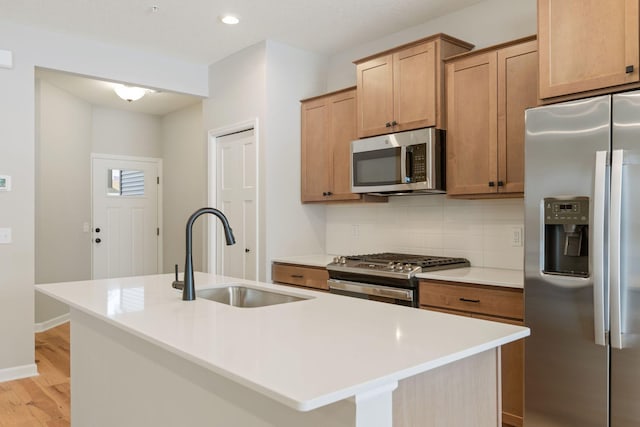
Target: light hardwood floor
(42, 401)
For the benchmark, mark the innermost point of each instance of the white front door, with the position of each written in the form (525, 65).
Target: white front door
(236, 178)
(125, 217)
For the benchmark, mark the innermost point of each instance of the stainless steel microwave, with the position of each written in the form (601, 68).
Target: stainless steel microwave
(400, 163)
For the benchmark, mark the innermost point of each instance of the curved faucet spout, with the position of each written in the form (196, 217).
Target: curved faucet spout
(188, 291)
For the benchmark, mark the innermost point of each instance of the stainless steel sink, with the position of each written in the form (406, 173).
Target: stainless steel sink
(242, 296)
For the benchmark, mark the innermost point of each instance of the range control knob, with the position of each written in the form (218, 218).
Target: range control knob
(408, 267)
(399, 266)
(343, 260)
(336, 259)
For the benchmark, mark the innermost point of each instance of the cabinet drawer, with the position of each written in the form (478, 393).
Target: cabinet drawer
(492, 301)
(309, 277)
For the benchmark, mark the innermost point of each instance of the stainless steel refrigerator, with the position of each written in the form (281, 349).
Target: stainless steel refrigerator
(582, 263)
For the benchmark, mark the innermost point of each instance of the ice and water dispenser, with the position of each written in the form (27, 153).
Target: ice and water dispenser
(566, 236)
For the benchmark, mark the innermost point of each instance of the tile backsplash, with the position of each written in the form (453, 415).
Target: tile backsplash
(489, 233)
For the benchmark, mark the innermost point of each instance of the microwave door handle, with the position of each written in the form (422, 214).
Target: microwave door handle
(408, 158)
(403, 165)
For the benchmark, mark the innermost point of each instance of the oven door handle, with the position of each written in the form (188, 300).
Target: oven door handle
(366, 289)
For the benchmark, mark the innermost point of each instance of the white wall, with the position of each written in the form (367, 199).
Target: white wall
(479, 230)
(292, 227)
(125, 133)
(238, 95)
(483, 24)
(63, 249)
(32, 48)
(266, 82)
(185, 183)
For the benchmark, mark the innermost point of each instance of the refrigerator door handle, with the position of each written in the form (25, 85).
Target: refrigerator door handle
(599, 281)
(615, 234)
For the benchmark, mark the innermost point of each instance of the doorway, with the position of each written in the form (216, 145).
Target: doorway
(235, 181)
(126, 200)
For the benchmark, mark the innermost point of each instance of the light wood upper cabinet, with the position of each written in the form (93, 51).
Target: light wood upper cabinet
(587, 45)
(402, 88)
(375, 96)
(328, 127)
(487, 93)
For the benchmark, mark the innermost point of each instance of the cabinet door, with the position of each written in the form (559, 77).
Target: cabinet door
(512, 361)
(517, 91)
(586, 44)
(414, 87)
(472, 125)
(342, 130)
(314, 150)
(375, 96)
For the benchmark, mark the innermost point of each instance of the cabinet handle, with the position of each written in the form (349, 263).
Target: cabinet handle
(492, 184)
(500, 184)
(324, 193)
(475, 301)
(388, 124)
(329, 193)
(297, 276)
(629, 69)
(394, 123)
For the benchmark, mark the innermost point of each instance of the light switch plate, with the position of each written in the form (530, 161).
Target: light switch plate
(6, 59)
(5, 183)
(5, 235)
(516, 236)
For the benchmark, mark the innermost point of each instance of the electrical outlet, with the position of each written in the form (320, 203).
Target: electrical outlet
(516, 236)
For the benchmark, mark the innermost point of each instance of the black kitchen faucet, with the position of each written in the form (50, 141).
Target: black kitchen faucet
(187, 285)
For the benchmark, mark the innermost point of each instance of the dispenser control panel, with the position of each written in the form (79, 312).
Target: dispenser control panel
(566, 210)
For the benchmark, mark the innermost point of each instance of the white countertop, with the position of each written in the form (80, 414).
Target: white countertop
(304, 354)
(479, 276)
(320, 260)
(474, 275)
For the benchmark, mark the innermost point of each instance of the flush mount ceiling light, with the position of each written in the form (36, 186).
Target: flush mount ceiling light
(230, 19)
(129, 93)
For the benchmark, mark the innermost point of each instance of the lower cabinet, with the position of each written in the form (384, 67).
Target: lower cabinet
(494, 303)
(300, 275)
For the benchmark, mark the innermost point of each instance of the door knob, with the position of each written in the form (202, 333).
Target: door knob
(247, 250)
(98, 240)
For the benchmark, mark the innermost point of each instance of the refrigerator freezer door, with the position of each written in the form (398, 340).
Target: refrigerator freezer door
(566, 372)
(625, 262)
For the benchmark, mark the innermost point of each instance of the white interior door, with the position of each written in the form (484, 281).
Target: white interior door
(236, 185)
(125, 217)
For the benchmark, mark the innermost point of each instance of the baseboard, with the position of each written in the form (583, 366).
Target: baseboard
(51, 323)
(18, 372)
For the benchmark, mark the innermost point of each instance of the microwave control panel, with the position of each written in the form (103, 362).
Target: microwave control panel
(416, 166)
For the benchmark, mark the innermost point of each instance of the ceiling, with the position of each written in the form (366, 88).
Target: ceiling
(190, 29)
(100, 92)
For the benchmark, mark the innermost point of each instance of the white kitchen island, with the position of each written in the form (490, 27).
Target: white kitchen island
(140, 356)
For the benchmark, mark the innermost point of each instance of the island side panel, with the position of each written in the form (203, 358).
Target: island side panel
(118, 379)
(462, 393)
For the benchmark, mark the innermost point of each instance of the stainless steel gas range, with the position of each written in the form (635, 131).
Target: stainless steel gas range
(386, 277)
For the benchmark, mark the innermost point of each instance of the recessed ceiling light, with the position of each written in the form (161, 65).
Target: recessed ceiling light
(229, 19)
